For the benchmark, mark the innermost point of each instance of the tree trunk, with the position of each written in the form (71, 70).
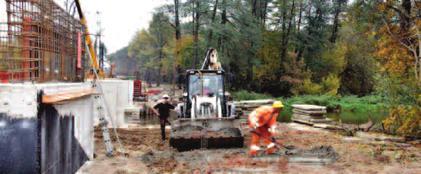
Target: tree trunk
(338, 10)
(177, 20)
(160, 56)
(405, 17)
(285, 39)
(249, 77)
(210, 35)
(308, 15)
(224, 20)
(264, 12)
(196, 32)
(254, 7)
(300, 14)
(177, 40)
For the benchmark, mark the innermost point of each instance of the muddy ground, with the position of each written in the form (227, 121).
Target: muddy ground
(146, 153)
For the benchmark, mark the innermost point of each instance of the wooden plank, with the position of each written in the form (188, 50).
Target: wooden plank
(65, 96)
(259, 102)
(327, 120)
(310, 111)
(308, 107)
(302, 121)
(310, 115)
(327, 126)
(311, 119)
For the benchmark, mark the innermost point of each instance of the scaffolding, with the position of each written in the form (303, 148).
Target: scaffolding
(40, 42)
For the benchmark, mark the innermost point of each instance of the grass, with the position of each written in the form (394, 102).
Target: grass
(348, 109)
(247, 95)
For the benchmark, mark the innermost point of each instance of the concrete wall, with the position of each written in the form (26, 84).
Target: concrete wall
(44, 138)
(119, 96)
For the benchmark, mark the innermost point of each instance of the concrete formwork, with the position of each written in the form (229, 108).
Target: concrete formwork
(44, 138)
(119, 96)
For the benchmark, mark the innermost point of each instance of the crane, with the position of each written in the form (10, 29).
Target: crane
(88, 40)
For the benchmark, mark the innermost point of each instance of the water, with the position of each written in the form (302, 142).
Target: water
(358, 117)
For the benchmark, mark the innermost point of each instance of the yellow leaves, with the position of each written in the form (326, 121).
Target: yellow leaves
(335, 58)
(331, 85)
(404, 120)
(394, 40)
(183, 49)
(269, 58)
(394, 57)
(310, 88)
(328, 86)
(381, 7)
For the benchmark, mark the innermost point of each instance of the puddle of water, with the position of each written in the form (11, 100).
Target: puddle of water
(358, 116)
(244, 170)
(320, 155)
(310, 160)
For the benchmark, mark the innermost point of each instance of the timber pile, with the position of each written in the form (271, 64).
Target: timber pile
(312, 115)
(244, 107)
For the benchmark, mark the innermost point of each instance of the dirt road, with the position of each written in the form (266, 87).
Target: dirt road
(147, 154)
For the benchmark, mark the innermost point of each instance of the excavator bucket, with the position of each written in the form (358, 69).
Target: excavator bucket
(187, 134)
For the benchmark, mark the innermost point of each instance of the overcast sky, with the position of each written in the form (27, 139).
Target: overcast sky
(120, 19)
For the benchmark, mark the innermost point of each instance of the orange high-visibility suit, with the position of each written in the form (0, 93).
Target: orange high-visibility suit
(262, 121)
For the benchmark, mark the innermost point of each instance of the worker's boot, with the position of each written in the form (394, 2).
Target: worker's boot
(253, 153)
(253, 150)
(271, 149)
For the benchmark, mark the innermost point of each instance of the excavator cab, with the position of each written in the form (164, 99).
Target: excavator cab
(206, 119)
(205, 95)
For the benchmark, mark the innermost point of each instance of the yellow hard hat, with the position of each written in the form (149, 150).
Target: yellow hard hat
(277, 104)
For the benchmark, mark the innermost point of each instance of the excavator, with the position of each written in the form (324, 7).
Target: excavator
(207, 119)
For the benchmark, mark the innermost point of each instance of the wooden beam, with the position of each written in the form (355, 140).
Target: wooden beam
(70, 95)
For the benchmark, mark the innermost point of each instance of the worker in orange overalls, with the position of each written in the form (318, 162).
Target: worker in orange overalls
(262, 121)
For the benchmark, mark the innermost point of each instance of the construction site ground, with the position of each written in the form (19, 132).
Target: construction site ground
(365, 152)
(146, 153)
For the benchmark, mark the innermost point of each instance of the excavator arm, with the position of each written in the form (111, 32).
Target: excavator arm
(211, 60)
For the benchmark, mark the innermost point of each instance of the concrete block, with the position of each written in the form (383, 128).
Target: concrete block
(44, 138)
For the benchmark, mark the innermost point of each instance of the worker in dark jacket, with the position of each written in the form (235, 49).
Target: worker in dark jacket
(162, 109)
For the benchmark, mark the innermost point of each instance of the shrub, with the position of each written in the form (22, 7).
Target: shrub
(404, 120)
(247, 95)
(308, 87)
(330, 85)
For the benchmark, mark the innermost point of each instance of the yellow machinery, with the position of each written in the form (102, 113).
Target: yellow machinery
(91, 49)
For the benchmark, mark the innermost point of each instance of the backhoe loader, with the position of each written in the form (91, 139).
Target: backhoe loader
(207, 119)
